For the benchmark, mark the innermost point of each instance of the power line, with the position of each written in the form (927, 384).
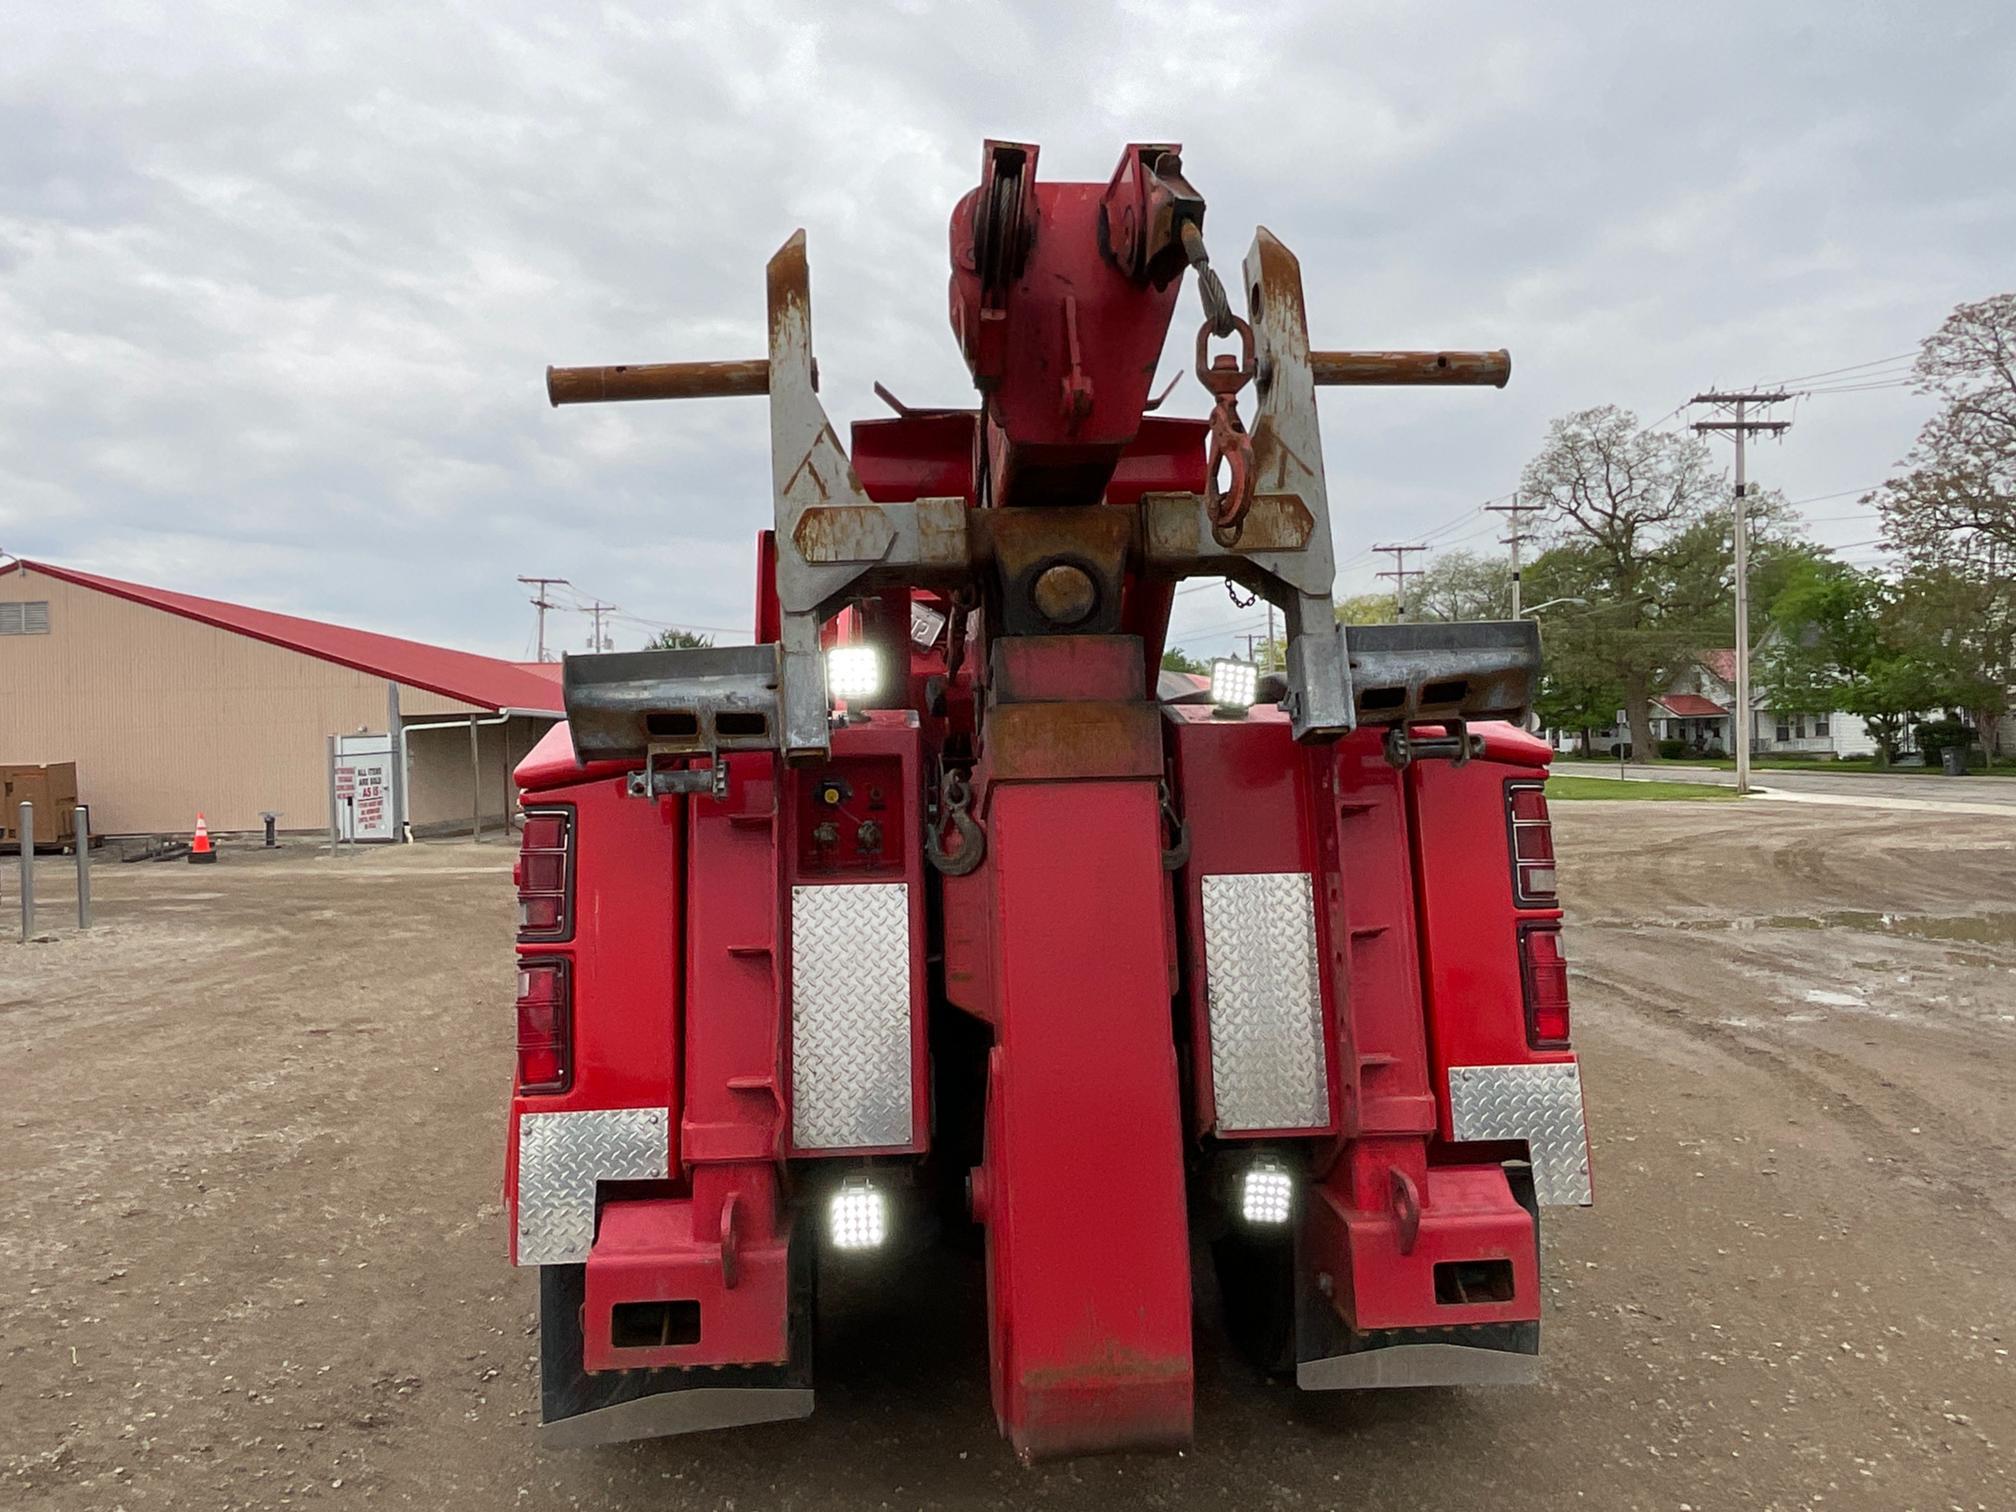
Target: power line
(586, 604)
(1454, 523)
(1857, 388)
(1888, 369)
(651, 624)
(1881, 378)
(1852, 367)
(1844, 493)
(1453, 542)
(1219, 627)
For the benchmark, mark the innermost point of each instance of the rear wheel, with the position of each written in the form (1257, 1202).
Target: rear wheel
(1256, 1291)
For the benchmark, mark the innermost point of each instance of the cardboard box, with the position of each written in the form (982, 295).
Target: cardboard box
(53, 791)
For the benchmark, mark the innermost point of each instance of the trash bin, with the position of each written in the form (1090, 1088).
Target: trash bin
(1953, 760)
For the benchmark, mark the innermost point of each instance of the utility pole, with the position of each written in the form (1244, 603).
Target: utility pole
(539, 585)
(1270, 632)
(1400, 573)
(1515, 512)
(1249, 647)
(596, 610)
(1740, 426)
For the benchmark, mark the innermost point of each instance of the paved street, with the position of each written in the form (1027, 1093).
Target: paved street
(1932, 794)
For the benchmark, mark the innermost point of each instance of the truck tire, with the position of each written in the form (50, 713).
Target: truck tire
(1256, 1294)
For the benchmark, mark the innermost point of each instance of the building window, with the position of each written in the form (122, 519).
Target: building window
(1820, 726)
(25, 619)
(1799, 726)
(1784, 727)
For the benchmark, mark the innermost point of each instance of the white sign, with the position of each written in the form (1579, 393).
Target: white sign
(926, 625)
(364, 787)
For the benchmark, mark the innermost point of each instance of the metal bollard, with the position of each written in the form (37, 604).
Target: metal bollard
(83, 822)
(26, 835)
(475, 783)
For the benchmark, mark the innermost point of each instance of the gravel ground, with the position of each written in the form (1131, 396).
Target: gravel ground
(252, 1252)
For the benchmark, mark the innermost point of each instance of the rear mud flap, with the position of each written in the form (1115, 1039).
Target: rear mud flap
(578, 1409)
(1424, 1357)
(1329, 1356)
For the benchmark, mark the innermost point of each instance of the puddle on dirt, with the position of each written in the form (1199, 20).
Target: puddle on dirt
(1970, 929)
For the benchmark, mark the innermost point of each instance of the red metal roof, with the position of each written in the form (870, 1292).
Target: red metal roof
(1690, 706)
(1722, 663)
(486, 681)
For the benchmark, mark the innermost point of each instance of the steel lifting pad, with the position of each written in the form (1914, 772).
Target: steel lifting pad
(626, 705)
(1402, 674)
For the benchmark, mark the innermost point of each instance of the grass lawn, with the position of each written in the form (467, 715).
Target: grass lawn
(1846, 765)
(1600, 787)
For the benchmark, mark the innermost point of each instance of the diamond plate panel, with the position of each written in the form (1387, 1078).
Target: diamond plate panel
(1539, 1104)
(1268, 1070)
(850, 1016)
(560, 1158)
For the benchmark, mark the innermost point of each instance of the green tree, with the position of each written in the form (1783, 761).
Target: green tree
(1957, 625)
(1365, 609)
(1631, 522)
(1462, 585)
(678, 640)
(1176, 659)
(1575, 694)
(1835, 647)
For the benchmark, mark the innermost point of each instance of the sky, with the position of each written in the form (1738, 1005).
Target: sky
(278, 282)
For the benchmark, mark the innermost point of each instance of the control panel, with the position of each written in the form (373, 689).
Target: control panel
(851, 815)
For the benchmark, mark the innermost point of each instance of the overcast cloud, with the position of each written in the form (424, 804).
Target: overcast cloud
(278, 282)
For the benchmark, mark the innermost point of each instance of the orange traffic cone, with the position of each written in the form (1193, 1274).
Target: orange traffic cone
(200, 848)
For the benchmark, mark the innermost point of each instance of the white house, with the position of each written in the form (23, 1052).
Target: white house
(1697, 705)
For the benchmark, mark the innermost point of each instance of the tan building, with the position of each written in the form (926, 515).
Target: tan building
(172, 705)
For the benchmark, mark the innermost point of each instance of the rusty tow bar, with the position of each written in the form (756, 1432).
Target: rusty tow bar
(742, 379)
(1411, 369)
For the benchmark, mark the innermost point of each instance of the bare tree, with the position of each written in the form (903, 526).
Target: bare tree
(1630, 504)
(1462, 585)
(1951, 513)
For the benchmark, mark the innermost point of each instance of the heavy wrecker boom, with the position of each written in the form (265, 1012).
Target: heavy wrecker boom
(936, 891)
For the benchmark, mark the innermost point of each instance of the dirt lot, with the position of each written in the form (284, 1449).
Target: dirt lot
(252, 1250)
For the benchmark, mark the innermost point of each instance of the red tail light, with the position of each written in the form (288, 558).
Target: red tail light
(545, 876)
(545, 1017)
(1532, 846)
(1545, 973)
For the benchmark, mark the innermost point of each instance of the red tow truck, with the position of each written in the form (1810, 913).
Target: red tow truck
(939, 904)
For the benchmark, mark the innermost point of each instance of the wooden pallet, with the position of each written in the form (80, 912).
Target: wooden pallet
(11, 846)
